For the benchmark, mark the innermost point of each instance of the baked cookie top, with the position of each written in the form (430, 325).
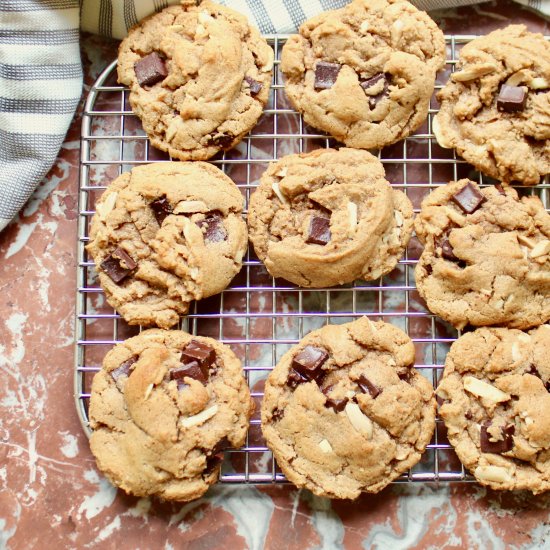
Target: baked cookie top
(162, 408)
(199, 78)
(495, 402)
(486, 258)
(328, 217)
(165, 234)
(495, 109)
(364, 73)
(344, 411)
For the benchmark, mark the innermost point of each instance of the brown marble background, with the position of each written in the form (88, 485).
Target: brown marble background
(51, 495)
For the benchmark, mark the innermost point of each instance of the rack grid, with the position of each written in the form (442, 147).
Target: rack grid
(258, 316)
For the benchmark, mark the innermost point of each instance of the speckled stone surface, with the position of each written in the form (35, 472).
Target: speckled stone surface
(52, 496)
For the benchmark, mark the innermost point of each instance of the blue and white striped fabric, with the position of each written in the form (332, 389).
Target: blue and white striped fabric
(41, 76)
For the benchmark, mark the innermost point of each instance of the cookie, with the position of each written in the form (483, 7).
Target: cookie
(165, 234)
(495, 400)
(328, 217)
(495, 109)
(162, 408)
(199, 78)
(344, 411)
(364, 73)
(486, 258)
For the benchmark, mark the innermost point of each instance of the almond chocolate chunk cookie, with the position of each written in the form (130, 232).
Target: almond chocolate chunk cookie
(495, 109)
(364, 73)
(328, 217)
(199, 78)
(495, 402)
(162, 408)
(486, 258)
(345, 411)
(166, 234)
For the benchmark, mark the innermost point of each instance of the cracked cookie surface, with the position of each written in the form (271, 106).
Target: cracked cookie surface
(199, 78)
(328, 217)
(345, 411)
(495, 401)
(165, 234)
(495, 109)
(364, 73)
(486, 261)
(162, 408)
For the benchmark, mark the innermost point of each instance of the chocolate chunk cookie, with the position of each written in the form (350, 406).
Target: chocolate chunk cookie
(486, 258)
(165, 234)
(344, 411)
(328, 217)
(163, 407)
(495, 395)
(495, 109)
(199, 78)
(364, 73)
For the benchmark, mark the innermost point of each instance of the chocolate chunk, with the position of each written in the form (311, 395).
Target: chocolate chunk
(469, 415)
(277, 414)
(511, 98)
(337, 404)
(150, 69)
(446, 249)
(200, 353)
(255, 86)
(191, 369)
(319, 230)
(406, 375)
(212, 227)
(161, 209)
(124, 369)
(309, 361)
(469, 199)
(222, 140)
(118, 265)
(429, 269)
(326, 74)
(369, 83)
(503, 445)
(295, 378)
(500, 189)
(368, 387)
(534, 371)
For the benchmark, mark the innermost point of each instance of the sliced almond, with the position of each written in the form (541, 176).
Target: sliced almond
(282, 172)
(364, 28)
(523, 337)
(204, 17)
(148, 391)
(194, 272)
(540, 249)
(473, 71)
(239, 256)
(172, 129)
(517, 78)
(277, 191)
(401, 454)
(103, 209)
(522, 239)
(516, 354)
(396, 31)
(436, 129)
(538, 83)
(176, 28)
(190, 207)
(188, 229)
(201, 32)
(399, 218)
(442, 393)
(484, 390)
(350, 394)
(352, 216)
(200, 418)
(493, 473)
(529, 421)
(358, 420)
(325, 446)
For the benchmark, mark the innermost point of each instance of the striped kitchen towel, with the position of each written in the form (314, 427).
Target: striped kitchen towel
(41, 75)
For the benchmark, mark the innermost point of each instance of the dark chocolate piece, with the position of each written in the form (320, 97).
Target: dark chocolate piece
(255, 86)
(503, 445)
(369, 83)
(150, 69)
(326, 74)
(309, 361)
(500, 189)
(511, 98)
(161, 209)
(337, 404)
(368, 387)
(295, 378)
(222, 140)
(191, 369)
(406, 375)
(446, 249)
(124, 369)
(277, 414)
(118, 265)
(469, 199)
(469, 415)
(212, 227)
(319, 231)
(201, 353)
(534, 371)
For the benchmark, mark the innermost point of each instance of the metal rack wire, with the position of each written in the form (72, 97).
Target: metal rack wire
(259, 317)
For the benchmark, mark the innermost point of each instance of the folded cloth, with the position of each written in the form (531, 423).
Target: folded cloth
(41, 75)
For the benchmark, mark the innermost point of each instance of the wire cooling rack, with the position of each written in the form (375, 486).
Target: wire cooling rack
(260, 317)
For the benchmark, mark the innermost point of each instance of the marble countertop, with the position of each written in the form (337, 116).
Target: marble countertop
(52, 496)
